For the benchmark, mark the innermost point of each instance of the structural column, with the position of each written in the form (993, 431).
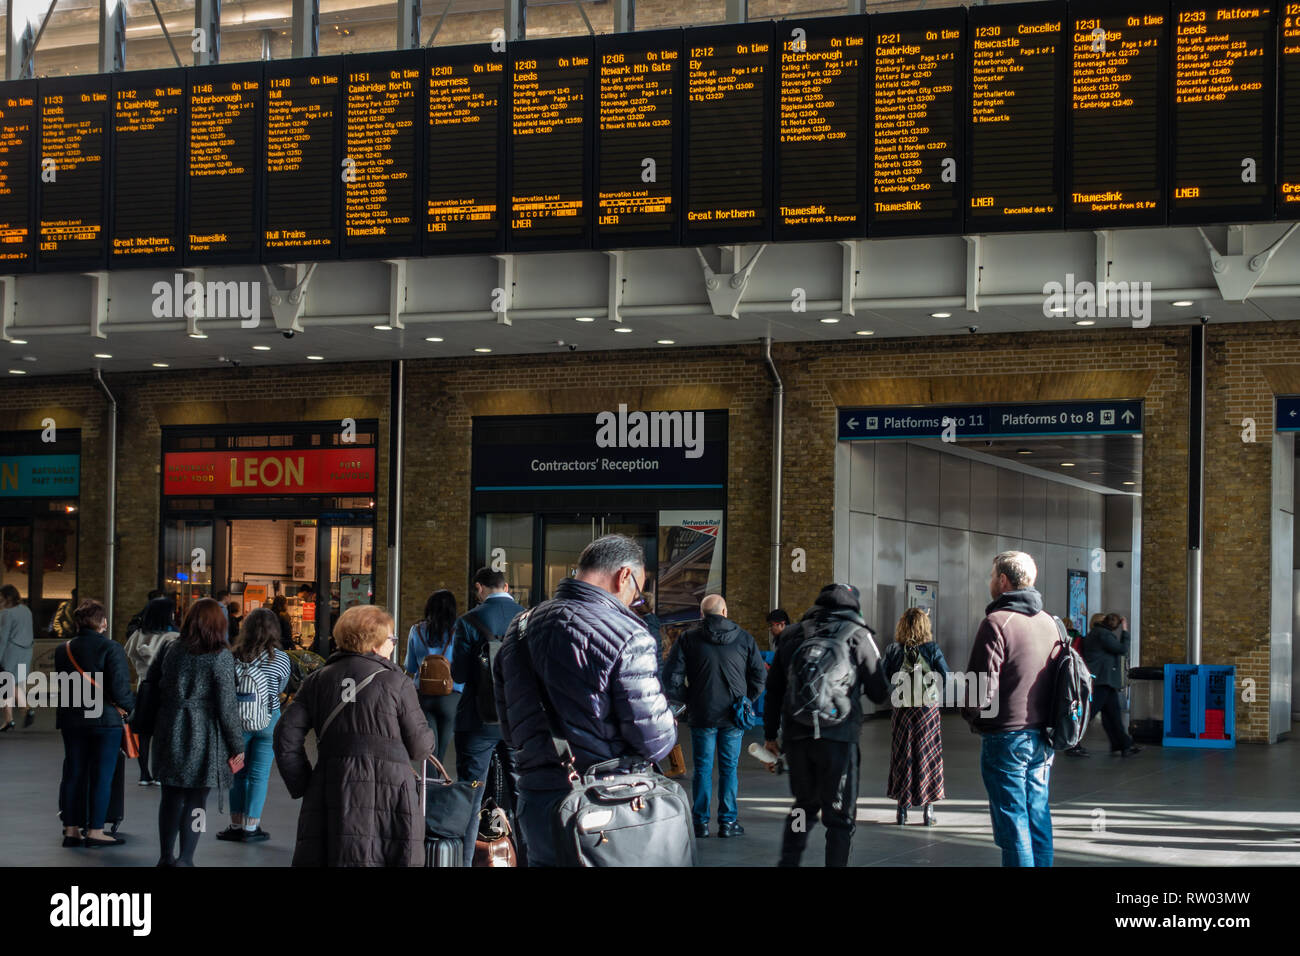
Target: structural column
(112, 36)
(305, 30)
(207, 35)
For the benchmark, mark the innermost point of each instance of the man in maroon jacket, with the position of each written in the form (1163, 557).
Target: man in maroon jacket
(1013, 647)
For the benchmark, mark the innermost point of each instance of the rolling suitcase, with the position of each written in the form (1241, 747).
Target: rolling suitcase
(447, 808)
(444, 851)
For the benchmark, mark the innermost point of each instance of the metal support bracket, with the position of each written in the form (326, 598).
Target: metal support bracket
(1238, 272)
(849, 282)
(617, 284)
(504, 294)
(396, 292)
(8, 306)
(193, 274)
(98, 303)
(163, 23)
(727, 287)
(974, 271)
(287, 302)
(1104, 258)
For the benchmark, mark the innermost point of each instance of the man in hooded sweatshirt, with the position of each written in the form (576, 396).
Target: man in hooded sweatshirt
(710, 668)
(1013, 651)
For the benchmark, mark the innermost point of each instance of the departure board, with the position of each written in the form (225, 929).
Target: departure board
(1288, 124)
(147, 156)
(918, 112)
(550, 143)
(301, 131)
(17, 173)
(464, 126)
(224, 161)
(638, 134)
(1015, 149)
(729, 121)
(381, 154)
(72, 203)
(821, 141)
(1117, 145)
(1223, 106)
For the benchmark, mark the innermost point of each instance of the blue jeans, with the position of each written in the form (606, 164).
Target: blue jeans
(1016, 766)
(248, 791)
(534, 816)
(473, 757)
(90, 758)
(727, 741)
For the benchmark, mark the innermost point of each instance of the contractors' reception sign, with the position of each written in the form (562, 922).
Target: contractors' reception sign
(308, 471)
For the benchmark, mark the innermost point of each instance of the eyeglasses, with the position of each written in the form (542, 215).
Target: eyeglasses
(639, 600)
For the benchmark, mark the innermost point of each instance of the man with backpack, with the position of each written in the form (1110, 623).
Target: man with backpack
(1015, 648)
(478, 635)
(823, 666)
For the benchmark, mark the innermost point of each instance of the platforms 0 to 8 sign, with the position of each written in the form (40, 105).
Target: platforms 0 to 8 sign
(953, 422)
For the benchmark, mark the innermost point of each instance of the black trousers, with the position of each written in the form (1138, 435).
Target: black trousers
(182, 812)
(824, 781)
(1106, 700)
(440, 715)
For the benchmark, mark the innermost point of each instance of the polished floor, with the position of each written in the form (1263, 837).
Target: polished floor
(1161, 808)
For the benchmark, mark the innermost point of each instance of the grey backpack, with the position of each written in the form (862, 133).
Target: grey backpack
(820, 680)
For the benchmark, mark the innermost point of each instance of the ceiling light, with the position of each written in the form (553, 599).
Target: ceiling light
(69, 509)
(865, 332)
(622, 328)
(583, 318)
(261, 348)
(1059, 309)
(829, 320)
(102, 355)
(382, 327)
(161, 365)
(481, 349)
(315, 358)
(17, 371)
(433, 338)
(198, 335)
(941, 315)
(1086, 322)
(666, 342)
(1130, 482)
(1095, 473)
(17, 341)
(1183, 304)
(1023, 451)
(1067, 464)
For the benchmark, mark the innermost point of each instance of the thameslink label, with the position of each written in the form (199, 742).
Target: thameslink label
(951, 422)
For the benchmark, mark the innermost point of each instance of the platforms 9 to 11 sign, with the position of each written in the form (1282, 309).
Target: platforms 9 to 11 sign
(1060, 114)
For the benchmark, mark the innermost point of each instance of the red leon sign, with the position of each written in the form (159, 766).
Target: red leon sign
(313, 471)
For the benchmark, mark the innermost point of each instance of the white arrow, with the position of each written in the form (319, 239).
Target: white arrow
(1127, 416)
(853, 423)
(1293, 413)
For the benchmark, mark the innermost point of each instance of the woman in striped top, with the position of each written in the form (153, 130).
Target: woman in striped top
(257, 645)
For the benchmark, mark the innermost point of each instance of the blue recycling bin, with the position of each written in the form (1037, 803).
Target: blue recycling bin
(1199, 706)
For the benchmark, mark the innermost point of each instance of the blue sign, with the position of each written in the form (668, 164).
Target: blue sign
(1288, 413)
(990, 421)
(40, 476)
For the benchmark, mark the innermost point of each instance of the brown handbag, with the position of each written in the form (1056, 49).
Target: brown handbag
(497, 849)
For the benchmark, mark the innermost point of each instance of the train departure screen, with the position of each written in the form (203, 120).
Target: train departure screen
(74, 143)
(639, 90)
(820, 136)
(918, 122)
(148, 130)
(1288, 173)
(1016, 143)
(1118, 145)
(380, 156)
(224, 154)
(301, 211)
(463, 172)
(550, 127)
(1222, 112)
(17, 146)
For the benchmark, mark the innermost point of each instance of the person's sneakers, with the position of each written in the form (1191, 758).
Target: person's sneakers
(701, 831)
(1130, 751)
(1078, 751)
(929, 815)
(232, 833)
(29, 718)
(146, 782)
(256, 836)
(94, 842)
(730, 830)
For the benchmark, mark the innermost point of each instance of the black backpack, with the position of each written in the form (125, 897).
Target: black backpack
(485, 655)
(1071, 694)
(820, 680)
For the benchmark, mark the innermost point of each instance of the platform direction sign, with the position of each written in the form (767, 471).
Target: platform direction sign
(992, 421)
(1288, 413)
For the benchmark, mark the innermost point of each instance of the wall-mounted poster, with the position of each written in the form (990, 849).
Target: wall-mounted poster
(690, 562)
(1078, 609)
(254, 597)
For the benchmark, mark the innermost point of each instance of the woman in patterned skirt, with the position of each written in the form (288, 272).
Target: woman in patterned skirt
(916, 747)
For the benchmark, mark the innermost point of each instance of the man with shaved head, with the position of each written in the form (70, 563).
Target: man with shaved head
(711, 668)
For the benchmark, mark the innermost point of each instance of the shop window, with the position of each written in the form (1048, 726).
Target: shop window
(508, 544)
(16, 556)
(187, 561)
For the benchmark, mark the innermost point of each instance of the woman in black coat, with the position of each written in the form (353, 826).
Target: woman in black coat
(916, 740)
(91, 722)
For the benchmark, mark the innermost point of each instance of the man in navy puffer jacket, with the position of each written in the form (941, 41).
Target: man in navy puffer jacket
(597, 662)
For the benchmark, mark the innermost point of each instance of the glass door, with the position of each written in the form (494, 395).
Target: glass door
(16, 555)
(346, 552)
(187, 562)
(564, 537)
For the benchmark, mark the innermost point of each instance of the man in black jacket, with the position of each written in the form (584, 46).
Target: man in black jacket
(823, 759)
(710, 668)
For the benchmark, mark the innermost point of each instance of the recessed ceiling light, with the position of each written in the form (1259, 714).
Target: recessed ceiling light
(1130, 482)
(1067, 464)
(1086, 322)
(622, 328)
(161, 365)
(17, 371)
(382, 327)
(102, 355)
(29, 358)
(1095, 473)
(315, 358)
(865, 332)
(1183, 304)
(433, 338)
(583, 318)
(1059, 309)
(261, 348)
(481, 349)
(1023, 451)
(829, 320)
(941, 315)
(198, 335)
(666, 342)
(17, 341)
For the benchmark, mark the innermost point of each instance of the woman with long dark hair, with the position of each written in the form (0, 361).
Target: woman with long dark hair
(198, 732)
(157, 630)
(435, 634)
(916, 740)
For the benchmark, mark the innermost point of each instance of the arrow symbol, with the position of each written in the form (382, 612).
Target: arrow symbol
(853, 423)
(1127, 416)
(1293, 413)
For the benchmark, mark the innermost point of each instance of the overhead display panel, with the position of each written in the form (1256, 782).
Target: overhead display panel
(1016, 141)
(302, 134)
(464, 132)
(1117, 140)
(1288, 124)
(17, 174)
(148, 154)
(382, 152)
(223, 220)
(552, 114)
(821, 133)
(73, 194)
(918, 104)
(729, 122)
(1223, 145)
(638, 138)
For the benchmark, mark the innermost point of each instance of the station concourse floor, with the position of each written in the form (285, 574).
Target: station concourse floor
(1165, 806)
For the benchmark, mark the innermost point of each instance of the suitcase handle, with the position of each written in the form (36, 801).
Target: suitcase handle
(623, 792)
(424, 779)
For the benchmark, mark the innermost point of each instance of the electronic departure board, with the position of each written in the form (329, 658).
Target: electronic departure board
(1288, 103)
(821, 134)
(1222, 136)
(17, 173)
(148, 143)
(382, 155)
(464, 139)
(225, 157)
(1016, 142)
(729, 120)
(638, 135)
(1117, 142)
(550, 143)
(73, 196)
(918, 108)
(302, 132)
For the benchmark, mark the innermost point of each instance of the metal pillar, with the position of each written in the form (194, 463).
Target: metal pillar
(110, 550)
(207, 18)
(396, 461)
(778, 424)
(516, 20)
(737, 11)
(857, 6)
(112, 36)
(305, 28)
(1195, 491)
(19, 41)
(624, 16)
(408, 24)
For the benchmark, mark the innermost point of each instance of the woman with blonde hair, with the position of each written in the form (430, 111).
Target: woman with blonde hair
(918, 673)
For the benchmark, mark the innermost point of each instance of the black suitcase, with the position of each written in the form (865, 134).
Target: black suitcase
(441, 851)
(78, 815)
